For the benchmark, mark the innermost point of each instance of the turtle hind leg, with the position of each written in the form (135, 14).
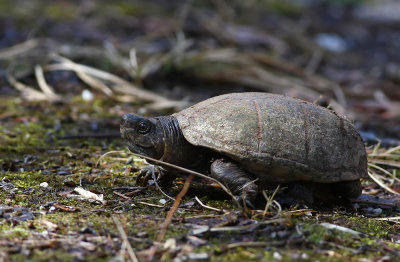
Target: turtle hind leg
(349, 189)
(297, 194)
(339, 192)
(312, 194)
(237, 180)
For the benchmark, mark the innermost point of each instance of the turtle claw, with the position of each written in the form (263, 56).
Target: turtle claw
(145, 174)
(291, 202)
(155, 173)
(297, 194)
(245, 202)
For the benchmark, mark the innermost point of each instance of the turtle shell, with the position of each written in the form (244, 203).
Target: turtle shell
(277, 138)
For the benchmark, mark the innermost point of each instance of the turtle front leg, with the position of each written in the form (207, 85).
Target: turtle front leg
(237, 180)
(163, 177)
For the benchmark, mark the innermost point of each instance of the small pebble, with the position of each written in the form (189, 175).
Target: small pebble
(44, 184)
(198, 256)
(180, 259)
(331, 42)
(200, 229)
(87, 95)
(277, 256)
(142, 234)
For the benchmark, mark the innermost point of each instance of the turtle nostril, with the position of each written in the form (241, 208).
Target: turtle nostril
(125, 120)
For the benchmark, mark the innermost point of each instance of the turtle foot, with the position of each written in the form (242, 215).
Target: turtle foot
(152, 172)
(297, 194)
(245, 202)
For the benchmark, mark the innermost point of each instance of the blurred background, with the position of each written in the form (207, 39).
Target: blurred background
(157, 57)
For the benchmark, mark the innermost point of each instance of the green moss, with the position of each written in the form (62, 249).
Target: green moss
(45, 255)
(246, 254)
(284, 7)
(11, 232)
(370, 227)
(62, 11)
(131, 8)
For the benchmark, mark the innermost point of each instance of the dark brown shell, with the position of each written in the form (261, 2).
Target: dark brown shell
(277, 138)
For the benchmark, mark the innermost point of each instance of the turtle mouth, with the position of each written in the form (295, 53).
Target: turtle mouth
(144, 151)
(129, 137)
(136, 149)
(128, 134)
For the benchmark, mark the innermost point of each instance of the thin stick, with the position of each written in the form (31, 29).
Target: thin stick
(208, 207)
(121, 195)
(47, 90)
(376, 148)
(254, 244)
(385, 162)
(23, 47)
(392, 150)
(269, 200)
(128, 246)
(150, 204)
(174, 207)
(316, 101)
(157, 185)
(376, 179)
(384, 171)
(108, 153)
(28, 92)
(387, 218)
(247, 227)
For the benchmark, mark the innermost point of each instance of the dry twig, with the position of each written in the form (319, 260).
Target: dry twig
(389, 158)
(208, 207)
(125, 240)
(174, 207)
(47, 90)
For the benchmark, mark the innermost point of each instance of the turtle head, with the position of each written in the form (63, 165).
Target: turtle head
(144, 136)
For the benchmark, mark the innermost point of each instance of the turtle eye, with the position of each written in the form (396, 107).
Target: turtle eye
(143, 127)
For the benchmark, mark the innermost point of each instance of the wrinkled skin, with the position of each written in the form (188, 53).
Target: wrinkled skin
(221, 137)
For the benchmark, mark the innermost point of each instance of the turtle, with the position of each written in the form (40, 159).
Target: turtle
(253, 140)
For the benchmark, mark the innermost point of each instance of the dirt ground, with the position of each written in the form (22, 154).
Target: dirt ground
(70, 69)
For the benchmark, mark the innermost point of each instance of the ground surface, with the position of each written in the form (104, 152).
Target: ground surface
(53, 139)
